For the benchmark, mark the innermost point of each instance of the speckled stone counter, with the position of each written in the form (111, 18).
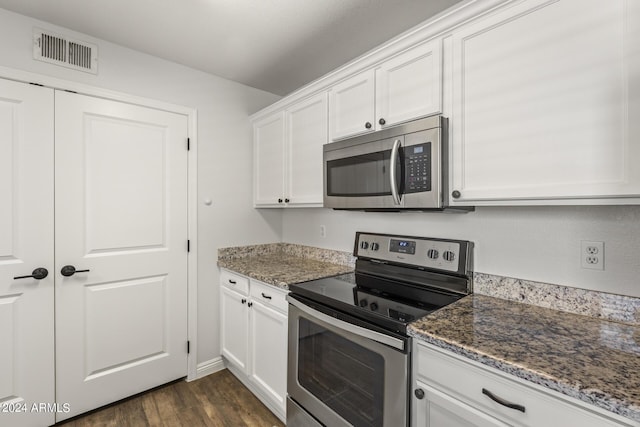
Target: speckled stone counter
(596, 361)
(282, 264)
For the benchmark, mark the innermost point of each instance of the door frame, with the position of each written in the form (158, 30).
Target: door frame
(192, 181)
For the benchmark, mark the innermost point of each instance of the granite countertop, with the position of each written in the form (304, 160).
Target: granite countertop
(283, 264)
(594, 360)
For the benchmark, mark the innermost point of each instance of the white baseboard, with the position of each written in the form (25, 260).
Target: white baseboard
(209, 367)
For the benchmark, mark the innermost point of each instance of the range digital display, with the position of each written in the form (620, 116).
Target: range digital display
(402, 246)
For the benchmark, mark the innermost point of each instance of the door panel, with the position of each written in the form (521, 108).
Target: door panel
(121, 213)
(125, 210)
(26, 243)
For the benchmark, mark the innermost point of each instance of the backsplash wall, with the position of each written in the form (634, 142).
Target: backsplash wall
(538, 243)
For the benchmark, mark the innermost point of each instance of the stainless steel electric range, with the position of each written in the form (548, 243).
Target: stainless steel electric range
(349, 355)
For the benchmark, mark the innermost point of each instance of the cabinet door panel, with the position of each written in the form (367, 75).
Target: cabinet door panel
(234, 333)
(544, 114)
(307, 133)
(269, 351)
(268, 153)
(409, 85)
(351, 106)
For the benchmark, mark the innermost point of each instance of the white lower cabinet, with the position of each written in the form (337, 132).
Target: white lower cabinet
(253, 336)
(451, 391)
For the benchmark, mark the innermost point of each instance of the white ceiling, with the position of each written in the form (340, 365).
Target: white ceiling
(273, 45)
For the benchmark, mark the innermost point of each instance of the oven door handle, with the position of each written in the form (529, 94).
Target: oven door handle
(392, 171)
(346, 326)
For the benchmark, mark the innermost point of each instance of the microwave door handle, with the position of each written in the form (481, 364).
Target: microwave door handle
(392, 171)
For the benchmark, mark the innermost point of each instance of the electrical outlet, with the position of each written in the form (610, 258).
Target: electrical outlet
(592, 255)
(323, 231)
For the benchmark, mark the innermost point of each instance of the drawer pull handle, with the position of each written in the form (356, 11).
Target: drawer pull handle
(502, 401)
(233, 282)
(265, 296)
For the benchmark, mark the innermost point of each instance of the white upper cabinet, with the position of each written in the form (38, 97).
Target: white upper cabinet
(409, 86)
(288, 155)
(405, 87)
(352, 106)
(268, 160)
(545, 99)
(306, 134)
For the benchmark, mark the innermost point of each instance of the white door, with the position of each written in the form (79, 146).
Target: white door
(351, 106)
(307, 133)
(268, 152)
(121, 215)
(26, 243)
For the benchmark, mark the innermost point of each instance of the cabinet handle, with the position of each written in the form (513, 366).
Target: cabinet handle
(265, 296)
(419, 393)
(456, 194)
(286, 200)
(382, 121)
(279, 200)
(250, 304)
(367, 125)
(502, 401)
(244, 300)
(233, 282)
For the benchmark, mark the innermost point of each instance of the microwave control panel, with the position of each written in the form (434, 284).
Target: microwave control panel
(417, 165)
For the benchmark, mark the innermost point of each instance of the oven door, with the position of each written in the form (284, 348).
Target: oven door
(343, 373)
(366, 175)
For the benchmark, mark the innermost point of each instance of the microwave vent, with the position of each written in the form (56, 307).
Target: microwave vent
(60, 50)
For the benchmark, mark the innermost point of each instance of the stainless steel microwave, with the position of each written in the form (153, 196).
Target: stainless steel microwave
(398, 168)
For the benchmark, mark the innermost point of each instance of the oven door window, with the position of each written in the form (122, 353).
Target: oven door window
(360, 176)
(345, 376)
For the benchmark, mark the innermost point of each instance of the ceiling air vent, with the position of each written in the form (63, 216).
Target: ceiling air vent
(59, 50)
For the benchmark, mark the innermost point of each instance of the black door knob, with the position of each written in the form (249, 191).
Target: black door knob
(38, 273)
(367, 125)
(382, 121)
(456, 194)
(70, 270)
(419, 393)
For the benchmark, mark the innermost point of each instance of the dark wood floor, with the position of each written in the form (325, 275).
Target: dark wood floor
(216, 400)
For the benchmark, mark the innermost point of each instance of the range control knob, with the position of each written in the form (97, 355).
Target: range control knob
(363, 302)
(432, 253)
(373, 306)
(375, 246)
(364, 245)
(449, 256)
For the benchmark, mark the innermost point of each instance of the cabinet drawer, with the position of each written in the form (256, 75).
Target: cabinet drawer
(471, 384)
(269, 295)
(234, 281)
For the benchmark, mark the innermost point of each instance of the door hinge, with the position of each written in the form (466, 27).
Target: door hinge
(188, 144)
(188, 245)
(188, 347)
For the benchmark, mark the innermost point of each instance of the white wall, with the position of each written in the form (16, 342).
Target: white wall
(224, 144)
(535, 243)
